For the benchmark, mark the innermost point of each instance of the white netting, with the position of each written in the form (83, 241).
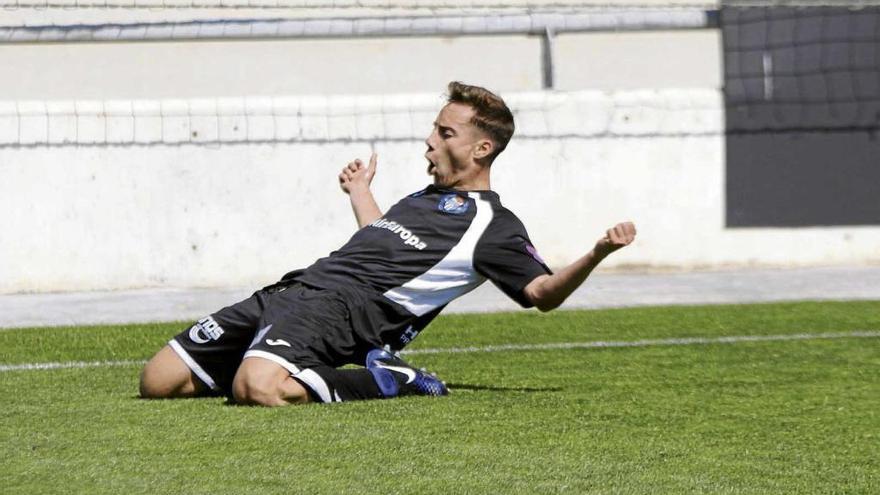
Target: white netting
(539, 115)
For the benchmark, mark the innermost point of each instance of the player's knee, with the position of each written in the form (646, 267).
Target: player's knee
(251, 389)
(255, 393)
(165, 376)
(151, 384)
(262, 382)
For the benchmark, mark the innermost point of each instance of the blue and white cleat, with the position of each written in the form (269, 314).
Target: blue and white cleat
(397, 378)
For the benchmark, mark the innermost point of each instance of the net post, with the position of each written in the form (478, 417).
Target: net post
(547, 71)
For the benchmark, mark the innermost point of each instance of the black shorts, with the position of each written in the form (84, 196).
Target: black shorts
(298, 327)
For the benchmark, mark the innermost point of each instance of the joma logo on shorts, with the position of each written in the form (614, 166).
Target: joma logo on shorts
(205, 330)
(408, 237)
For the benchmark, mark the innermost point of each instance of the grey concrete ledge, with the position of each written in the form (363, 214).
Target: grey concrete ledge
(602, 290)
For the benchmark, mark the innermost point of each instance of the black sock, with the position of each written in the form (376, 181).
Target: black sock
(328, 384)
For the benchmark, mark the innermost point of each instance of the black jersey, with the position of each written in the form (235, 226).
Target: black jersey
(428, 249)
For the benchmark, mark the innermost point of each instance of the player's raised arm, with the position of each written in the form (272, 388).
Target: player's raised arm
(355, 180)
(547, 292)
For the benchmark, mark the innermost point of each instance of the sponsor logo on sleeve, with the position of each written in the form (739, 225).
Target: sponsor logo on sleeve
(453, 204)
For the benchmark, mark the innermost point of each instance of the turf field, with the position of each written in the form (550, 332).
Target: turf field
(663, 406)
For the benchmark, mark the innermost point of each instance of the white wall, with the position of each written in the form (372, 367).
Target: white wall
(634, 60)
(207, 69)
(193, 69)
(130, 189)
(107, 216)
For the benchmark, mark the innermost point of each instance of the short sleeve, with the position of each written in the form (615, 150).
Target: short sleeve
(505, 255)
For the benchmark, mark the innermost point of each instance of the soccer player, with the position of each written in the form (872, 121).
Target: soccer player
(373, 296)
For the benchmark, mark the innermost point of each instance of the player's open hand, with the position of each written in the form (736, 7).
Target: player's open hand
(616, 237)
(357, 175)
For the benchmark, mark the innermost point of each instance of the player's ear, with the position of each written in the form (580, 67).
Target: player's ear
(483, 149)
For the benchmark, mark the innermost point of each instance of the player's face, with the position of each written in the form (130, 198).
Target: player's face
(452, 146)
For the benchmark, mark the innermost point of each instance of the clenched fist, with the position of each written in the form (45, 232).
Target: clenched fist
(615, 238)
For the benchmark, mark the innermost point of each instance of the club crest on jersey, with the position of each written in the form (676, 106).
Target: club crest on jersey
(453, 203)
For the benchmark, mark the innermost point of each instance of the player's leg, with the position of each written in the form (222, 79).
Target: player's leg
(167, 376)
(261, 382)
(306, 334)
(264, 382)
(203, 359)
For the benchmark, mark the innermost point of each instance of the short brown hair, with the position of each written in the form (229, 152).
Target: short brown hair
(490, 112)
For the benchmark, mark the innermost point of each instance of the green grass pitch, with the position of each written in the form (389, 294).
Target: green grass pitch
(746, 417)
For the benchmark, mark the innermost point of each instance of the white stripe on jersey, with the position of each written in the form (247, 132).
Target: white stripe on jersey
(451, 277)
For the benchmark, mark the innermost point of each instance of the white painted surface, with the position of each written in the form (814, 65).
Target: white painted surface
(219, 214)
(209, 69)
(633, 60)
(343, 119)
(217, 190)
(193, 69)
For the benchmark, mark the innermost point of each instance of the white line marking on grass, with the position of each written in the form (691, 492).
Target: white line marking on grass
(67, 365)
(518, 347)
(649, 343)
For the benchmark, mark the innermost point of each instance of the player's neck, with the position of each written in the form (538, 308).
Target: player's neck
(475, 185)
(475, 182)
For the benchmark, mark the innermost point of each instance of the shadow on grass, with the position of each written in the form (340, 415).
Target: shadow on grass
(467, 386)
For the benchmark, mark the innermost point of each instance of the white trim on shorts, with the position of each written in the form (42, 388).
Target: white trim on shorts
(306, 376)
(193, 365)
(274, 358)
(318, 385)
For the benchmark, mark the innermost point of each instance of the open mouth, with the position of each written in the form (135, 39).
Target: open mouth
(432, 167)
